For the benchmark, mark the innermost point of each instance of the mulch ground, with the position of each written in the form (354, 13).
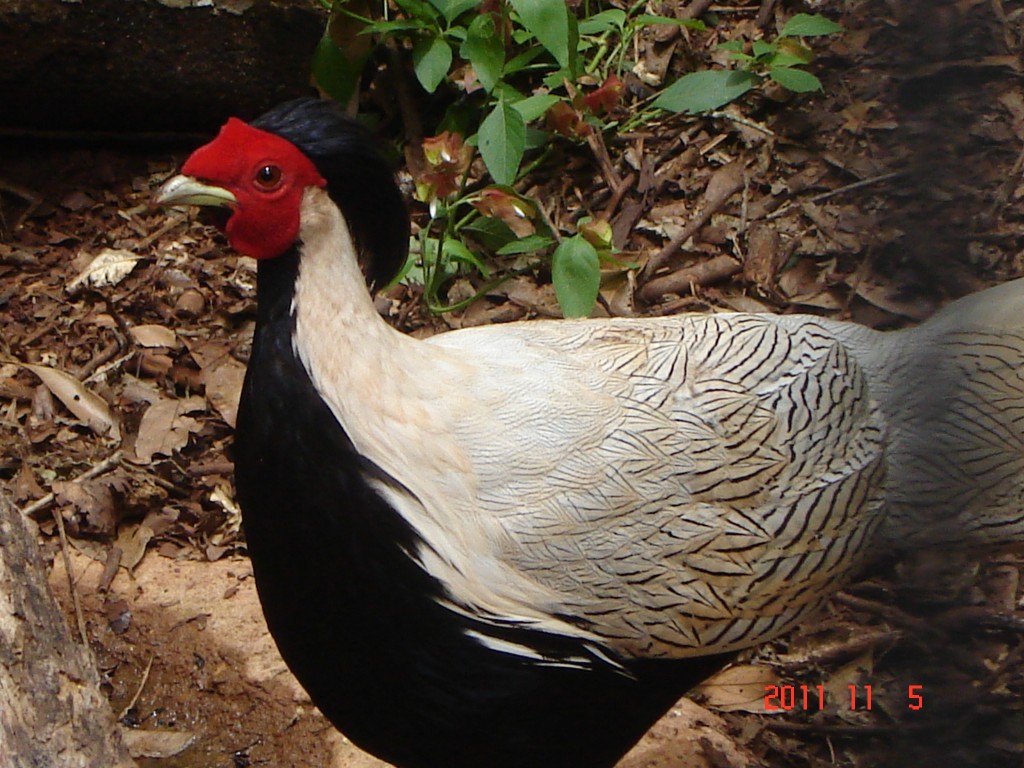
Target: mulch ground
(895, 189)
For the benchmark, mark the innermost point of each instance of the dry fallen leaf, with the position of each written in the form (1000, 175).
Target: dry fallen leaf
(221, 496)
(24, 485)
(846, 686)
(159, 744)
(855, 115)
(764, 256)
(154, 336)
(110, 267)
(165, 427)
(742, 688)
(133, 539)
(891, 296)
(87, 406)
(526, 293)
(92, 507)
(803, 283)
(222, 377)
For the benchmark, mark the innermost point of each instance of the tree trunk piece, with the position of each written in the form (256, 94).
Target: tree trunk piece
(52, 712)
(136, 66)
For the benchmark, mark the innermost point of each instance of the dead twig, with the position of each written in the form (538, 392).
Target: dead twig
(43, 326)
(837, 652)
(764, 13)
(213, 468)
(112, 350)
(546, 215)
(72, 587)
(969, 616)
(596, 143)
(112, 365)
(838, 191)
(685, 280)
(695, 9)
(407, 109)
(33, 200)
(142, 684)
(595, 140)
(104, 466)
(743, 121)
(108, 353)
(890, 613)
(171, 223)
(618, 194)
(866, 729)
(725, 182)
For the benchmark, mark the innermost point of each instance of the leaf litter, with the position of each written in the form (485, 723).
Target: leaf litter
(877, 200)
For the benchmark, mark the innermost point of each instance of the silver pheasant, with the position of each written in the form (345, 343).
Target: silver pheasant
(686, 484)
(518, 545)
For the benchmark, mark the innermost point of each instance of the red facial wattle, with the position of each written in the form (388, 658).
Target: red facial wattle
(267, 176)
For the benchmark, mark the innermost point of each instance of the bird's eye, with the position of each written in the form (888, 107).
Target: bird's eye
(268, 176)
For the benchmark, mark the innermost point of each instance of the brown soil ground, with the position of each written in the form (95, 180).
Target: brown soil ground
(877, 200)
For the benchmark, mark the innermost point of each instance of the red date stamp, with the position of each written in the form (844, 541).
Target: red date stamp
(809, 698)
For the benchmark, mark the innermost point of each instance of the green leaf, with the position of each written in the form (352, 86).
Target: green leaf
(795, 80)
(534, 106)
(458, 34)
(548, 21)
(461, 117)
(452, 9)
(492, 234)
(703, 91)
(386, 27)
(555, 80)
(528, 244)
(794, 47)
(435, 270)
(505, 92)
(761, 48)
(736, 46)
(523, 60)
(646, 18)
(806, 25)
(576, 274)
(333, 72)
(574, 46)
(502, 141)
(417, 9)
(456, 250)
(537, 139)
(603, 22)
(410, 271)
(431, 59)
(785, 59)
(484, 50)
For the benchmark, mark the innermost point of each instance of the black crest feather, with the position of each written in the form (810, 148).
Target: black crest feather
(359, 179)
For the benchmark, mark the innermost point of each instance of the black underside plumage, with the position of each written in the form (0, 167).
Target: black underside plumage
(358, 620)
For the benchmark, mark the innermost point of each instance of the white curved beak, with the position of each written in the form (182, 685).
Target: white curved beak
(185, 190)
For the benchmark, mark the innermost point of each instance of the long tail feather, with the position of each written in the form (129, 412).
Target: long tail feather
(953, 391)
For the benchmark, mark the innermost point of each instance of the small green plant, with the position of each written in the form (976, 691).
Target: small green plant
(526, 69)
(780, 61)
(520, 71)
